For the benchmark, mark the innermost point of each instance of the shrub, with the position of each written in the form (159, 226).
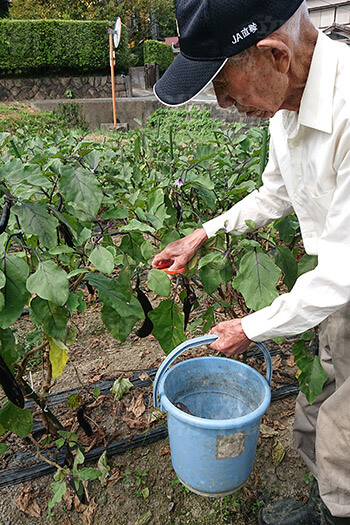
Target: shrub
(52, 47)
(158, 52)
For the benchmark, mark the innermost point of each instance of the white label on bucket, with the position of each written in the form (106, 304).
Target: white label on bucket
(230, 446)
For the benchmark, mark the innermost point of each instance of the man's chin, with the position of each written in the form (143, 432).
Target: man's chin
(263, 115)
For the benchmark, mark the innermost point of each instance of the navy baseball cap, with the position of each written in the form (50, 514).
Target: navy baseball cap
(211, 31)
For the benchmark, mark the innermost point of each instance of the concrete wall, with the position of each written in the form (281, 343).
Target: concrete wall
(99, 111)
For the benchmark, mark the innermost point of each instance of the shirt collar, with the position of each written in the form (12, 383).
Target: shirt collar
(317, 100)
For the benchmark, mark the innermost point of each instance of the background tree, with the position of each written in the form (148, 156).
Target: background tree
(146, 19)
(4, 8)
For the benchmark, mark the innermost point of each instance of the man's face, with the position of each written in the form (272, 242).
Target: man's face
(254, 86)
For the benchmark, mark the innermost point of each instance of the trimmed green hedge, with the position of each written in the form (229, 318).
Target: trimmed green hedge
(58, 47)
(158, 52)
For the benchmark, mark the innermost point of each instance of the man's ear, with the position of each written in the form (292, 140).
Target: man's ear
(279, 52)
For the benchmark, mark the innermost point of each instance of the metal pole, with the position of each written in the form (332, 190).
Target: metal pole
(112, 63)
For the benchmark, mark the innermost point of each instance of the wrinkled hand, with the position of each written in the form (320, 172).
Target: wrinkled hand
(232, 339)
(180, 252)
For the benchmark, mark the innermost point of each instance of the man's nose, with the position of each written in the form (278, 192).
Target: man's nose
(225, 100)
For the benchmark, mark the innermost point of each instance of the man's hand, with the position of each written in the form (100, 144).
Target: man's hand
(178, 253)
(232, 339)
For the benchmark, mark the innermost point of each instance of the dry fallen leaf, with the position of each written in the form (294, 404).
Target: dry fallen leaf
(137, 406)
(165, 450)
(276, 362)
(89, 513)
(144, 376)
(278, 452)
(68, 499)
(27, 503)
(114, 477)
(135, 423)
(267, 432)
(288, 413)
(278, 426)
(290, 361)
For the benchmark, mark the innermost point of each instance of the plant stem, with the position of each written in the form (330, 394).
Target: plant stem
(22, 364)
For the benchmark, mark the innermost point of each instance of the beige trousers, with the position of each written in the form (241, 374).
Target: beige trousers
(322, 430)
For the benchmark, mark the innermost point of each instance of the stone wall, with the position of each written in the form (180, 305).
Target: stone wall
(31, 89)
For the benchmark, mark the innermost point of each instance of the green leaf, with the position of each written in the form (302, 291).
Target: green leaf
(116, 213)
(17, 420)
(2, 279)
(256, 279)
(3, 448)
(159, 282)
(251, 224)
(120, 325)
(23, 180)
(2, 301)
(57, 250)
(59, 489)
(168, 322)
(121, 386)
(299, 349)
(287, 228)
(135, 225)
(210, 278)
(4, 138)
(73, 302)
(288, 264)
(307, 336)
(53, 318)
(104, 468)
(312, 376)
(49, 282)
(209, 319)
(117, 295)
(60, 442)
(78, 271)
(15, 293)
(9, 348)
(81, 192)
(74, 401)
(58, 356)
(97, 391)
(35, 220)
(88, 473)
(307, 263)
(102, 259)
(146, 250)
(145, 492)
(214, 259)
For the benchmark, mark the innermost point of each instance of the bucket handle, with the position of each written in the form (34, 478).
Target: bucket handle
(192, 343)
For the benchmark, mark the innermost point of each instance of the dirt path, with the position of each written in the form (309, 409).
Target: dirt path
(143, 487)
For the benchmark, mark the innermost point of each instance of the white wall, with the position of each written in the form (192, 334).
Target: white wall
(325, 17)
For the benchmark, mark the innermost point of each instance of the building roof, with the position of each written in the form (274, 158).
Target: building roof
(172, 41)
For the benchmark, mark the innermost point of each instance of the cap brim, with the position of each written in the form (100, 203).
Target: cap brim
(185, 79)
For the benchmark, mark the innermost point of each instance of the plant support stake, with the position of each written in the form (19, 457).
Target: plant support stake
(114, 39)
(112, 64)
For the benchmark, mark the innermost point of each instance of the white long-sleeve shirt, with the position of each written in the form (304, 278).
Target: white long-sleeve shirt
(308, 172)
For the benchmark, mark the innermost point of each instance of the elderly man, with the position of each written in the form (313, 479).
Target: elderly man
(268, 60)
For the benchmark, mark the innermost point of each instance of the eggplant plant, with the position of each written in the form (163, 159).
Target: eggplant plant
(79, 214)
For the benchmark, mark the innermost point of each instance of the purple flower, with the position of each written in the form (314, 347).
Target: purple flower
(179, 182)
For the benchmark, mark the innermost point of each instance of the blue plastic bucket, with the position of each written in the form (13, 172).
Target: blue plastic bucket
(213, 448)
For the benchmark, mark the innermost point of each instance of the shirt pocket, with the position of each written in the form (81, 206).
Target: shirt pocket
(318, 206)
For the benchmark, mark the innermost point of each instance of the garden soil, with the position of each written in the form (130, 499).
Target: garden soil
(142, 487)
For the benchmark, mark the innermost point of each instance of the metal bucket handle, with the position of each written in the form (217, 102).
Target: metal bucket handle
(192, 343)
